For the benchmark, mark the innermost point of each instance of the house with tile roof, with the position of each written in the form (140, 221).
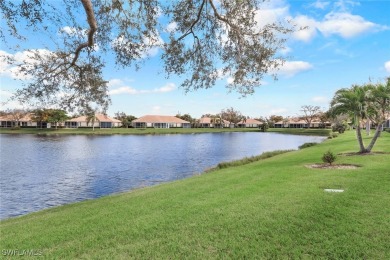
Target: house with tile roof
(158, 121)
(249, 123)
(210, 122)
(299, 123)
(10, 121)
(102, 121)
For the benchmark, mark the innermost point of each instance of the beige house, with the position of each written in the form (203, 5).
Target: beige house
(209, 122)
(158, 121)
(10, 121)
(299, 123)
(102, 121)
(249, 123)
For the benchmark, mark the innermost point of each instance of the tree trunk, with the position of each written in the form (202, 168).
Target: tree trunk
(368, 127)
(360, 139)
(373, 140)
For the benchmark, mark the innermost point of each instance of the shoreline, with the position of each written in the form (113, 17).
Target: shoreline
(153, 131)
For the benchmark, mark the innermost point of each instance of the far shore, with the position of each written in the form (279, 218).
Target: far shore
(154, 131)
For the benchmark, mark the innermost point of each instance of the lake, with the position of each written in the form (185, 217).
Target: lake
(39, 172)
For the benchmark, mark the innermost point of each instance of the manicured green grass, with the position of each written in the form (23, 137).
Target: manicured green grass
(137, 131)
(274, 208)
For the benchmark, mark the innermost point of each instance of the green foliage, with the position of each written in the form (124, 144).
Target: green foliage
(55, 116)
(209, 37)
(339, 127)
(369, 101)
(306, 145)
(264, 127)
(125, 119)
(247, 160)
(186, 117)
(329, 157)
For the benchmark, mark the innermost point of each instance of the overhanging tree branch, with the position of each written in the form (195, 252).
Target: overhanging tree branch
(190, 30)
(87, 4)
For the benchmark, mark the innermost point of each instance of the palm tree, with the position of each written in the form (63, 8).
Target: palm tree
(378, 108)
(91, 118)
(370, 102)
(216, 120)
(353, 102)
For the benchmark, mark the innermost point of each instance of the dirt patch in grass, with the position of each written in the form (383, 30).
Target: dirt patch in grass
(333, 166)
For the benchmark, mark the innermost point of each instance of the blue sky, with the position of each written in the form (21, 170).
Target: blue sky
(347, 42)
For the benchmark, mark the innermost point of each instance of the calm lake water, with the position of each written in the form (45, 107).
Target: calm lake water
(39, 172)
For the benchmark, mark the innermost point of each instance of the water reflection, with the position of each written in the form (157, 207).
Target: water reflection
(38, 172)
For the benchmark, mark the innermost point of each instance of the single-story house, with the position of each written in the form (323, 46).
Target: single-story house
(158, 121)
(102, 121)
(291, 123)
(249, 123)
(299, 123)
(10, 121)
(209, 122)
(281, 124)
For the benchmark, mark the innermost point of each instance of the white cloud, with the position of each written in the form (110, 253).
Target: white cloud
(320, 4)
(115, 82)
(346, 25)
(230, 80)
(167, 88)
(171, 27)
(309, 32)
(345, 5)
(387, 66)
(270, 15)
(121, 89)
(124, 90)
(26, 58)
(291, 68)
(73, 31)
(4, 94)
(6, 103)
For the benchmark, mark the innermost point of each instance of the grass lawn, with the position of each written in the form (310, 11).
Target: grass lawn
(136, 131)
(273, 208)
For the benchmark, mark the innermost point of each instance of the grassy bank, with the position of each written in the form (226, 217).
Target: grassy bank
(273, 208)
(142, 131)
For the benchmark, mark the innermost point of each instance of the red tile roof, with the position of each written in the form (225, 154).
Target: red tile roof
(99, 117)
(250, 122)
(208, 120)
(160, 119)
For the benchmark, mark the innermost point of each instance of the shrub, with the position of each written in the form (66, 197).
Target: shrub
(329, 157)
(339, 127)
(264, 127)
(305, 145)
